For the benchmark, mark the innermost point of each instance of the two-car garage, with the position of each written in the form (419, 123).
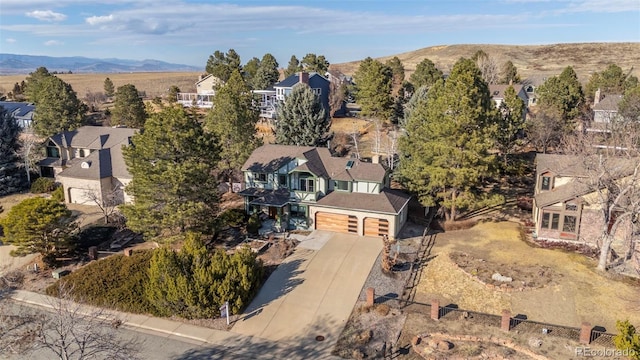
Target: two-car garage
(350, 224)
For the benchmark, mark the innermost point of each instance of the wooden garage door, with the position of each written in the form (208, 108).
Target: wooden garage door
(336, 222)
(376, 227)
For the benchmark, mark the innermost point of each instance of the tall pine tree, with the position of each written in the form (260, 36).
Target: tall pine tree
(293, 66)
(57, 105)
(302, 120)
(373, 89)
(129, 108)
(267, 73)
(233, 121)
(510, 124)
(562, 94)
(446, 152)
(171, 163)
(12, 178)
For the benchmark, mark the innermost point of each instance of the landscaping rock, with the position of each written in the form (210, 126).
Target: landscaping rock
(501, 278)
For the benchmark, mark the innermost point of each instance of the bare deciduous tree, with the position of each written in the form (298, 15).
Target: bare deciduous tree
(30, 154)
(69, 330)
(544, 130)
(611, 163)
(107, 201)
(391, 147)
(355, 136)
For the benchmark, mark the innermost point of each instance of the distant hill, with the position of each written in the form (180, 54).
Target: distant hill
(24, 64)
(531, 60)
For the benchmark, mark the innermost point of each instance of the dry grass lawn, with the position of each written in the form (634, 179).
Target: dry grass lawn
(152, 83)
(579, 292)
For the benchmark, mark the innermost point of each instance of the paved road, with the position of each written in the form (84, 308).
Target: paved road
(313, 292)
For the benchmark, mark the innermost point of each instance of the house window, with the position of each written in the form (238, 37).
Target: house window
(569, 224)
(260, 177)
(317, 91)
(307, 184)
(298, 211)
(571, 207)
(53, 152)
(282, 180)
(341, 185)
(546, 183)
(82, 153)
(47, 171)
(550, 221)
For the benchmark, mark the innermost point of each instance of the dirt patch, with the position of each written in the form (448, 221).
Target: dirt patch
(369, 331)
(504, 276)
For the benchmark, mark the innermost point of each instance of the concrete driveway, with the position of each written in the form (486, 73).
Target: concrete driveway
(313, 292)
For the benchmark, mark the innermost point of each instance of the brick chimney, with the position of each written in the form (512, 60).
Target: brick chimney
(304, 77)
(597, 98)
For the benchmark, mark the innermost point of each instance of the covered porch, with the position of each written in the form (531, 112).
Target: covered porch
(275, 209)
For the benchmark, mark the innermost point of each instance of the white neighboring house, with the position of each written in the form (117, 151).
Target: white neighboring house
(89, 164)
(605, 107)
(205, 91)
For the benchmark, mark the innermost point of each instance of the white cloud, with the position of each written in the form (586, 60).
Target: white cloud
(46, 15)
(98, 20)
(53, 43)
(10, 40)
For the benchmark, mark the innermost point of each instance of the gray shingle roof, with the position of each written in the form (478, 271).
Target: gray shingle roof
(497, 91)
(388, 201)
(97, 165)
(608, 103)
(291, 80)
(94, 137)
(269, 158)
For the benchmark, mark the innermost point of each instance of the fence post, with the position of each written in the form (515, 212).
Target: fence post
(585, 333)
(371, 296)
(435, 309)
(93, 252)
(505, 323)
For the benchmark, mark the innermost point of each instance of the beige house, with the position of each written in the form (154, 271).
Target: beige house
(565, 207)
(205, 91)
(605, 111)
(89, 164)
(307, 188)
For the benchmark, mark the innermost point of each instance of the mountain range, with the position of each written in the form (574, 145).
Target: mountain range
(24, 64)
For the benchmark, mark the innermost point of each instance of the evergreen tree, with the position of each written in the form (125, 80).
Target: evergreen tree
(426, 74)
(57, 105)
(109, 89)
(446, 152)
(511, 122)
(193, 283)
(292, 67)
(222, 65)
(373, 89)
(129, 109)
(629, 106)
(267, 73)
(171, 163)
(233, 121)
(302, 120)
(12, 178)
(315, 63)
(397, 75)
(610, 81)
(563, 94)
(249, 71)
(417, 100)
(39, 225)
(172, 95)
(509, 74)
(32, 86)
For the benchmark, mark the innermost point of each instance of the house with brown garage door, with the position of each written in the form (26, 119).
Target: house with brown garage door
(303, 187)
(567, 206)
(89, 164)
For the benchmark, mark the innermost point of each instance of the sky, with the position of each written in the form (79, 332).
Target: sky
(187, 32)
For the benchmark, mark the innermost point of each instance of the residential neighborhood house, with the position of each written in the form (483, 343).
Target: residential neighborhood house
(21, 111)
(89, 164)
(605, 110)
(497, 94)
(307, 188)
(565, 207)
(205, 91)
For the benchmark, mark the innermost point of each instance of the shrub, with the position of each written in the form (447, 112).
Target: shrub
(231, 217)
(627, 339)
(254, 224)
(43, 185)
(58, 194)
(115, 282)
(194, 284)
